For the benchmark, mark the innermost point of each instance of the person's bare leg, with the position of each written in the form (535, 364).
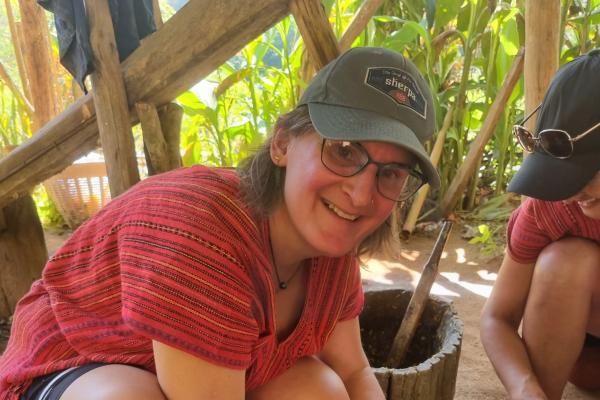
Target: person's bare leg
(308, 379)
(559, 309)
(115, 382)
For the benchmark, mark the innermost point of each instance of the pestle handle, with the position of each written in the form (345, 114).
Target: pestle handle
(418, 301)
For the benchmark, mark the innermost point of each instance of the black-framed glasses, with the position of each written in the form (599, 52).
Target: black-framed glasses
(554, 142)
(395, 181)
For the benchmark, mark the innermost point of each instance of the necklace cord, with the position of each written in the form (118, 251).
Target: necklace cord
(283, 284)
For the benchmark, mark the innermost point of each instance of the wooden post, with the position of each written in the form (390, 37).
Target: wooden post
(38, 61)
(170, 120)
(23, 252)
(155, 145)
(110, 99)
(196, 40)
(319, 39)
(158, 21)
(542, 52)
(466, 170)
(359, 23)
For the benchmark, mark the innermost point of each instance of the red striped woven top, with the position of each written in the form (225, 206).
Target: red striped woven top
(536, 223)
(179, 259)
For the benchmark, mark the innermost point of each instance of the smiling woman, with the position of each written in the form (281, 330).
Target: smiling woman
(210, 282)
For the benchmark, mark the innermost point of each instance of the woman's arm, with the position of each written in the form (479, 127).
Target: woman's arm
(345, 355)
(500, 321)
(182, 376)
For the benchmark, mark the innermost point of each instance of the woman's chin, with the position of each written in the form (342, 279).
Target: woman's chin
(590, 208)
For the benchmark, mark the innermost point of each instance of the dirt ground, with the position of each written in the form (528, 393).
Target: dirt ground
(466, 277)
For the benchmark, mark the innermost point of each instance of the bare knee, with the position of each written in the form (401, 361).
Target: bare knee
(309, 378)
(115, 382)
(569, 263)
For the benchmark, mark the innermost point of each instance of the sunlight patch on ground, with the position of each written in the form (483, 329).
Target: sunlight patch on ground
(378, 272)
(487, 276)
(410, 255)
(477, 288)
(460, 256)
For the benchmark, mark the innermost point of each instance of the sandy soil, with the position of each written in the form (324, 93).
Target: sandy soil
(466, 277)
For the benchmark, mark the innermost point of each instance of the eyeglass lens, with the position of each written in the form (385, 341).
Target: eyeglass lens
(394, 181)
(557, 143)
(524, 137)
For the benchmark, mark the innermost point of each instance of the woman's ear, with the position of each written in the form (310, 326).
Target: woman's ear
(279, 147)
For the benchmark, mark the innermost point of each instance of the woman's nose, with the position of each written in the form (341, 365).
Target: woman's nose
(362, 187)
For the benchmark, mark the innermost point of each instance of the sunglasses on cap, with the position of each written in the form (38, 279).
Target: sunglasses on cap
(554, 142)
(395, 181)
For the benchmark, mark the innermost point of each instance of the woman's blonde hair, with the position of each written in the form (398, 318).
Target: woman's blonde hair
(261, 183)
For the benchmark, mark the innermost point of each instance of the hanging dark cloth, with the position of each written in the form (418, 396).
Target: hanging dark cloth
(132, 20)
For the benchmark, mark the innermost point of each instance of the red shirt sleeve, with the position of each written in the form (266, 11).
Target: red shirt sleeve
(355, 297)
(183, 275)
(526, 235)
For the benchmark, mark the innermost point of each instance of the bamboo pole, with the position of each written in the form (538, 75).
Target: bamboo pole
(110, 100)
(466, 170)
(359, 23)
(16, 92)
(16, 41)
(319, 39)
(436, 154)
(541, 57)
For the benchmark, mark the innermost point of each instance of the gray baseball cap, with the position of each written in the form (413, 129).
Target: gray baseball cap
(374, 94)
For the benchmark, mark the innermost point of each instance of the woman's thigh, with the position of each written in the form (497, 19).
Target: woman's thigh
(115, 382)
(308, 379)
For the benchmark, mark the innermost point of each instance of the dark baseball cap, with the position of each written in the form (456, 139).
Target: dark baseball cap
(571, 104)
(374, 94)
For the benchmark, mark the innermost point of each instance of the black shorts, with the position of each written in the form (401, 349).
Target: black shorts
(591, 341)
(52, 386)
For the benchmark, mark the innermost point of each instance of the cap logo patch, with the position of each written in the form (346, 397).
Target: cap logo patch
(398, 85)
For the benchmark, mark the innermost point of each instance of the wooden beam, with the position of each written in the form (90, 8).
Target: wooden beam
(466, 170)
(319, 39)
(359, 23)
(155, 146)
(542, 56)
(110, 101)
(195, 41)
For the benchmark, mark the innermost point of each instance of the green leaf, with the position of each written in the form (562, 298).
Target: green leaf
(446, 11)
(509, 37)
